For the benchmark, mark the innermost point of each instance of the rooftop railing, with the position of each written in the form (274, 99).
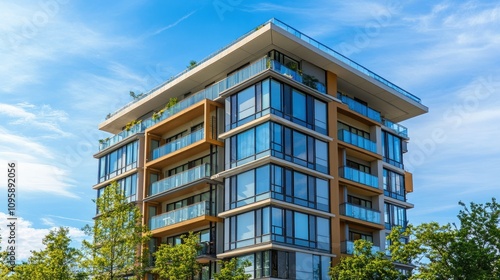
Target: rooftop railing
(342, 58)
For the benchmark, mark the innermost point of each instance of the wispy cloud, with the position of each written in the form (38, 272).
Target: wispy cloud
(43, 117)
(160, 30)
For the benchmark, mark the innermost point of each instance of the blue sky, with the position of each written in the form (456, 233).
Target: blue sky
(64, 65)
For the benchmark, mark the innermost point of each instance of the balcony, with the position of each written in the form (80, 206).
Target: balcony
(206, 252)
(357, 140)
(180, 179)
(358, 176)
(305, 79)
(360, 108)
(177, 144)
(347, 247)
(360, 213)
(399, 129)
(180, 215)
(210, 92)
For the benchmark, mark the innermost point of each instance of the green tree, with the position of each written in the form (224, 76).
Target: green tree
(117, 238)
(178, 262)
(233, 270)
(57, 261)
(468, 251)
(365, 265)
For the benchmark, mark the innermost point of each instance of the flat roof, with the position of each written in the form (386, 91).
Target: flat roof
(393, 102)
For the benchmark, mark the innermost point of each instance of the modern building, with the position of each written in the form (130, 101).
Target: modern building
(278, 150)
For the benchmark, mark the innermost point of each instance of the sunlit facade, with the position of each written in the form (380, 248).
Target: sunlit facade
(278, 150)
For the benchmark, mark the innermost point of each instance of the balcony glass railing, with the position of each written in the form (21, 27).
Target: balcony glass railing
(399, 129)
(360, 108)
(180, 179)
(210, 92)
(360, 213)
(347, 247)
(180, 215)
(178, 144)
(358, 176)
(357, 140)
(342, 58)
(292, 74)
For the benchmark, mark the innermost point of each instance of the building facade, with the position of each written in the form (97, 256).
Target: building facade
(275, 149)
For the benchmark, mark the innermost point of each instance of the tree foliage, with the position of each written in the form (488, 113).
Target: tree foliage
(178, 262)
(57, 261)
(117, 236)
(468, 251)
(233, 270)
(365, 264)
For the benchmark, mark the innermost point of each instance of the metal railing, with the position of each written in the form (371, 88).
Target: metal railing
(342, 58)
(357, 140)
(360, 212)
(180, 215)
(347, 247)
(358, 176)
(180, 179)
(177, 144)
(360, 108)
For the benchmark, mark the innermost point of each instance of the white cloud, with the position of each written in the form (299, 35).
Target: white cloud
(42, 117)
(29, 238)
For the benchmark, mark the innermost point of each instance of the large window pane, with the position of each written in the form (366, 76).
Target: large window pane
(263, 138)
(321, 156)
(245, 226)
(299, 145)
(246, 103)
(276, 95)
(300, 186)
(320, 114)
(299, 105)
(245, 146)
(246, 187)
(263, 180)
(265, 94)
(300, 224)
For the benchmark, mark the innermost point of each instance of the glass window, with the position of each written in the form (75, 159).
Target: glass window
(263, 136)
(265, 94)
(245, 185)
(320, 115)
(323, 226)
(304, 266)
(299, 145)
(245, 145)
(276, 95)
(321, 153)
(299, 105)
(246, 103)
(301, 231)
(300, 187)
(322, 194)
(263, 180)
(245, 228)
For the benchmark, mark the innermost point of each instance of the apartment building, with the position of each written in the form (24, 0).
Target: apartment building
(275, 149)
